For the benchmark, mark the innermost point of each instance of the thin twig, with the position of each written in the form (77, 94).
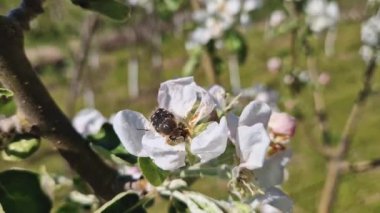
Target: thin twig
(334, 168)
(353, 117)
(361, 166)
(89, 27)
(319, 102)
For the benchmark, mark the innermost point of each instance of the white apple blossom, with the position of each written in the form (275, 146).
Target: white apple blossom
(276, 18)
(248, 133)
(214, 17)
(88, 121)
(370, 32)
(180, 97)
(258, 172)
(322, 15)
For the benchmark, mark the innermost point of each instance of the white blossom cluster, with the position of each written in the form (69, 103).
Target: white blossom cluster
(321, 15)
(258, 135)
(370, 36)
(214, 17)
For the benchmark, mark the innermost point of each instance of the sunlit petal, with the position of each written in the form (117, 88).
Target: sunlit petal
(178, 96)
(165, 156)
(255, 112)
(253, 144)
(212, 142)
(130, 127)
(206, 105)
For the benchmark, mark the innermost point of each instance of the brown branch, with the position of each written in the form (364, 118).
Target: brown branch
(27, 10)
(319, 102)
(89, 28)
(335, 169)
(361, 166)
(39, 109)
(353, 117)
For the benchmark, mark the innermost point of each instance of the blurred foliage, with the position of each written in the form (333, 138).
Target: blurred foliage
(20, 192)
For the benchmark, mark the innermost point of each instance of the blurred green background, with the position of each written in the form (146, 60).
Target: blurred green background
(106, 75)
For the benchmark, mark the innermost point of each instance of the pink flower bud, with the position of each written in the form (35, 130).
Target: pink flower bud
(274, 65)
(282, 124)
(324, 78)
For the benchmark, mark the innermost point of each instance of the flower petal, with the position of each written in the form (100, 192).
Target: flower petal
(274, 200)
(253, 142)
(255, 112)
(212, 142)
(178, 96)
(88, 121)
(273, 171)
(205, 107)
(232, 123)
(130, 127)
(219, 95)
(165, 156)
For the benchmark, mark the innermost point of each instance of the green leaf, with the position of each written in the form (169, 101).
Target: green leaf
(20, 191)
(20, 148)
(111, 8)
(151, 172)
(105, 138)
(5, 96)
(8, 109)
(123, 202)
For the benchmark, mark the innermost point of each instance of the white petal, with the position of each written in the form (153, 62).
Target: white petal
(232, 7)
(232, 123)
(165, 156)
(130, 127)
(273, 171)
(219, 95)
(255, 112)
(88, 121)
(253, 143)
(274, 198)
(212, 142)
(205, 107)
(178, 96)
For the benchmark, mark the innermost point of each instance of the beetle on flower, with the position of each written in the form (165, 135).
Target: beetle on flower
(188, 105)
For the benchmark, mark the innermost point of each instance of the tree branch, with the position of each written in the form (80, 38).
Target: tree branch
(361, 166)
(38, 108)
(89, 28)
(319, 102)
(27, 10)
(334, 168)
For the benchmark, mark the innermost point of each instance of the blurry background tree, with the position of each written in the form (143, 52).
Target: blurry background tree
(305, 61)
